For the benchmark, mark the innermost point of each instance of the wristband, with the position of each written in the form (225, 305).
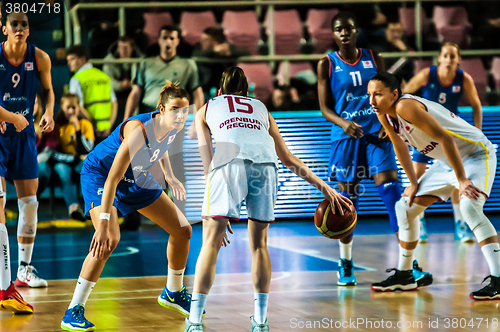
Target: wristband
(105, 216)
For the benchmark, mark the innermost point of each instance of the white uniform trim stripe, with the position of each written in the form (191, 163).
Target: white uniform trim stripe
(487, 165)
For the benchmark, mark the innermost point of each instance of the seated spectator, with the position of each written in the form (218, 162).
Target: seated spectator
(371, 23)
(75, 140)
(394, 42)
(213, 44)
(122, 74)
(93, 88)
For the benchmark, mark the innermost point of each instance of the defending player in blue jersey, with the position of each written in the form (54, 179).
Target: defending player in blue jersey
(358, 145)
(115, 176)
(445, 84)
(22, 66)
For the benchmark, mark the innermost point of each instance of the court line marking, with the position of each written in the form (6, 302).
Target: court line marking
(130, 251)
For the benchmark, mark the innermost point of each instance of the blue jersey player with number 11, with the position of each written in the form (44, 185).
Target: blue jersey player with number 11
(22, 65)
(358, 145)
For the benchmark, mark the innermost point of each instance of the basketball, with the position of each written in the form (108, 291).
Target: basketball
(334, 226)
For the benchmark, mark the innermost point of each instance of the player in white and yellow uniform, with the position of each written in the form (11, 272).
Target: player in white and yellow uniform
(465, 160)
(244, 167)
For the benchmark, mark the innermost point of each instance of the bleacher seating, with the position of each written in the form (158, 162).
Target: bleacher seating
(294, 69)
(192, 25)
(261, 76)
(287, 31)
(319, 27)
(242, 29)
(452, 24)
(153, 23)
(475, 68)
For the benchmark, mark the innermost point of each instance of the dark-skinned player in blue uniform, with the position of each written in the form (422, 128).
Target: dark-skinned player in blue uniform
(445, 84)
(115, 176)
(358, 145)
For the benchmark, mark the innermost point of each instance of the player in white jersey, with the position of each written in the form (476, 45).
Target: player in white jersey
(465, 160)
(244, 167)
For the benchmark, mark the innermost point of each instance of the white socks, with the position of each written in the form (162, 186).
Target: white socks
(174, 279)
(345, 250)
(492, 253)
(260, 307)
(25, 252)
(405, 259)
(5, 257)
(457, 213)
(82, 292)
(198, 302)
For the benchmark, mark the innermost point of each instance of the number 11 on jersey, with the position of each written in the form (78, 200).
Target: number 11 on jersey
(356, 75)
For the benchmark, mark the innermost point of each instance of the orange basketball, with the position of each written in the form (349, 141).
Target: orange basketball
(334, 226)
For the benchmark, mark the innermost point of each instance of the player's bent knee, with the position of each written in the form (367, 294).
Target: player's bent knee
(27, 219)
(407, 220)
(472, 211)
(184, 232)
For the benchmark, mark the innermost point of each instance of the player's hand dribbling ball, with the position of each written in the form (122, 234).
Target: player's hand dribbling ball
(334, 226)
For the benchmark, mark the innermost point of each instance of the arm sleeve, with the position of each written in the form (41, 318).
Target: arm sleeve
(139, 78)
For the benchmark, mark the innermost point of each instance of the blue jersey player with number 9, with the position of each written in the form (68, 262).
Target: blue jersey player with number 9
(22, 65)
(358, 145)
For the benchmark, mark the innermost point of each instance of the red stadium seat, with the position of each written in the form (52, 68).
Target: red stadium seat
(192, 25)
(452, 24)
(407, 20)
(294, 69)
(319, 26)
(153, 23)
(259, 74)
(421, 64)
(287, 31)
(475, 68)
(242, 29)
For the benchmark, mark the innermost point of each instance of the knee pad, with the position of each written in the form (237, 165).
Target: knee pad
(28, 217)
(390, 192)
(408, 222)
(472, 211)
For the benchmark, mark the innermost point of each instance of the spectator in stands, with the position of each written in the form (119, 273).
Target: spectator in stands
(150, 80)
(213, 44)
(485, 19)
(74, 141)
(93, 88)
(394, 42)
(122, 74)
(372, 23)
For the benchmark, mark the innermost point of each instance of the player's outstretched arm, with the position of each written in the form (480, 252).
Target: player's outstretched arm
(132, 101)
(417, 81)
(298, 167)
(44, 66)
(475, 102)
(415, 113)
(204, 140)
(177, 187)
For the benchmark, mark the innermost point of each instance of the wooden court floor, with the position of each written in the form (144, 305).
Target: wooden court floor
(304, 295)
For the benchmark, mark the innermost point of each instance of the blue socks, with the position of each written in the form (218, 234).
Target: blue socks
(390, 192)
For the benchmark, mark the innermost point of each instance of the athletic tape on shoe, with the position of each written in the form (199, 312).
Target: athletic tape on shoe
(408, 222)
(472, 211)
(27, 219)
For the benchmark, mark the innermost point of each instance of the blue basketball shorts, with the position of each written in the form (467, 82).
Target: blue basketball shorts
(18, 155)
(419, 157)
(352, 160)
(129, 196)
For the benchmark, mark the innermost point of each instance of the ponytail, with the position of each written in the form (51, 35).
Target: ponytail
(171, 91)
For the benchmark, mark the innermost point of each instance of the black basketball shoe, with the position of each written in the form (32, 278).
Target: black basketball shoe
(402, 280)
(489, 292)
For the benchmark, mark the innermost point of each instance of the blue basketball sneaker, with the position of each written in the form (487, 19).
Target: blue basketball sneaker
(422, 278)
(74, 320)
(179, 301)
(192, 327)
(463, 232)
(256, 327)
(346, 277)
(423, 230)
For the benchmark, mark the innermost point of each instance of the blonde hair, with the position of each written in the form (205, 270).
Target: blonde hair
(171, 91)
(459, 51)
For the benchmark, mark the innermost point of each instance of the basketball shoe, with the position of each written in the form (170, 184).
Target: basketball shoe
(463, 232)
(27, 277)
(179, 301)
(402, 280)
(346, 277)
(74, 320)
(489, 292)
(11, 300)
(422, 278)
(256, 327)
(192, 327)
